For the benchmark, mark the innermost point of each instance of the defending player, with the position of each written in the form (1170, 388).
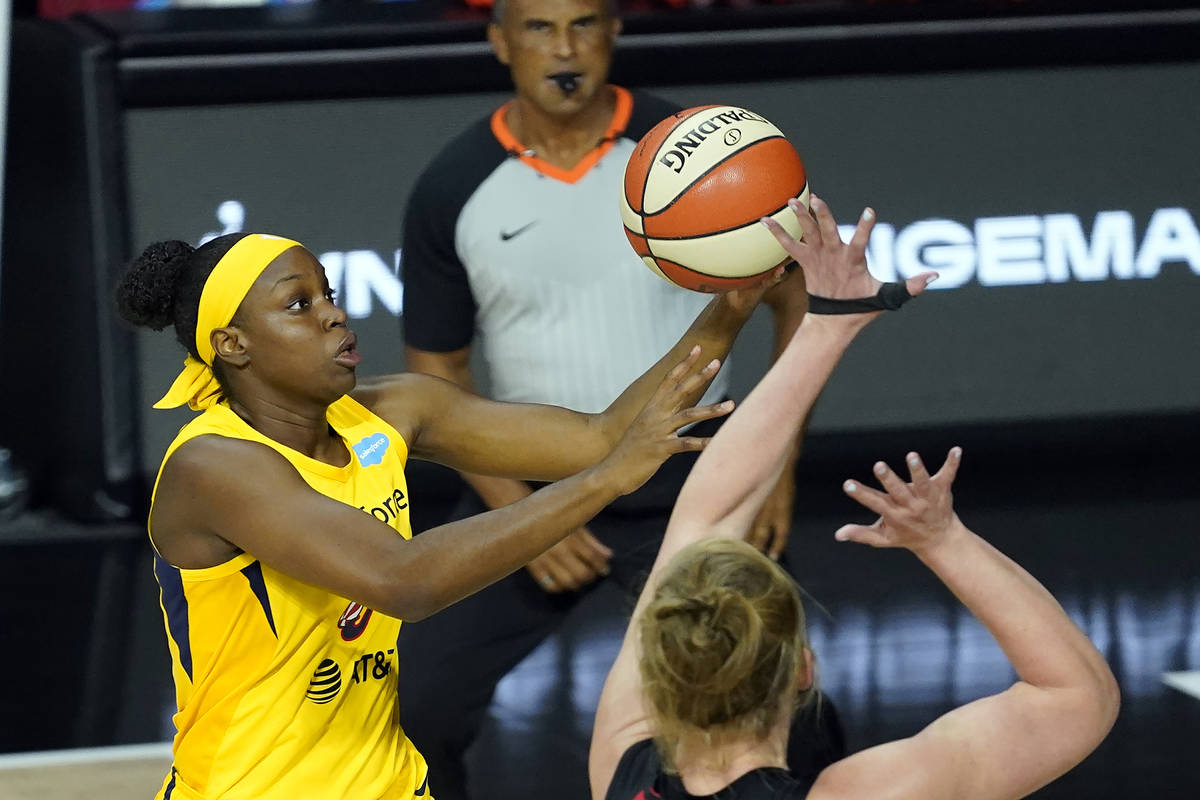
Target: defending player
(715, 662)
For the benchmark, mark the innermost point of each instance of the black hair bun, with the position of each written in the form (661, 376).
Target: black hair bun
(146, 294)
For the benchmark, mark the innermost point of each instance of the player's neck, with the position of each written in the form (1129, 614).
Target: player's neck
(707, 768)
(562, 141)
(305, 431)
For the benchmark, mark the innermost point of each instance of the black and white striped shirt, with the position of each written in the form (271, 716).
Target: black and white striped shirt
(532, 262)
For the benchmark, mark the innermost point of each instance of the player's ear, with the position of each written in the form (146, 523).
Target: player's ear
(499, 46)
(230, 346)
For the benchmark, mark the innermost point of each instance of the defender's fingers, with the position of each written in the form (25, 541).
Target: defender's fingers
(863, 534)
(809, 232)
(862, 235)
(918, 473)
(897, 488)
(918, 283)
(825, 221)
(799, 250)
(869, 498)
(949, 470)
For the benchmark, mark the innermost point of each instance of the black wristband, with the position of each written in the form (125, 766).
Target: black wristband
(889, 298)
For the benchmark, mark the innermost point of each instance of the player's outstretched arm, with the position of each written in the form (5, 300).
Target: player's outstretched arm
(1000, 747)
(739, 468)
(728, 486)
(215, 488)
(443, 423)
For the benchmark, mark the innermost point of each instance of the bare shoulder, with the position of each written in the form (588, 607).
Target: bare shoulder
(200, 482)
(892, 771)
(406, 400)
(399, 391)
(382, 387)
(211, 456)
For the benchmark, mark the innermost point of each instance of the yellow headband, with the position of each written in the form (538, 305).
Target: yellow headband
(223, 292)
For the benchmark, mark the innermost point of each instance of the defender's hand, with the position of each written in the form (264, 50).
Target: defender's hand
(916, 515)
(833, 268)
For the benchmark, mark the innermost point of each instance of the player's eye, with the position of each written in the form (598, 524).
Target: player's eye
(331, 295)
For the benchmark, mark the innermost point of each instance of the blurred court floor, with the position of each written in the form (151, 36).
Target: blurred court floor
(85, 774)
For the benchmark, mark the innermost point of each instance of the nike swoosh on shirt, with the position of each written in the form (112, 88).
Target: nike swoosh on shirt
(505, 236)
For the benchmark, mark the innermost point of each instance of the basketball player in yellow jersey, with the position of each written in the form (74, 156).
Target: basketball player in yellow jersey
(280, 514)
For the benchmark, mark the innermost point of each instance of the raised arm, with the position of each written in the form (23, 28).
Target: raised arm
(742, 463)
(1000, 747)
(772, 525)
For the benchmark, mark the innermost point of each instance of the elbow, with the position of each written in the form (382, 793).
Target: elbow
(604, 431)
(1109, 694)
(1099, 706)
(401, 596)
(411, 604)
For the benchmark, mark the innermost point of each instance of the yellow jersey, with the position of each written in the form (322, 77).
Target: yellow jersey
(285, 690)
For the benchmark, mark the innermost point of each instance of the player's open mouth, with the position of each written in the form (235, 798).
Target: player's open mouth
(347, 353)
(566, 81)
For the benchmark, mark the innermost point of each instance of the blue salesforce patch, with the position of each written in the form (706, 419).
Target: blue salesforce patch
(371, 449)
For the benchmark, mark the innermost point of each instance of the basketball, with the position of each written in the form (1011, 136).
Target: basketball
(695, 188)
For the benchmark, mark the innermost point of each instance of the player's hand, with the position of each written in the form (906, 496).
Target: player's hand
(746, 300)
(915, 515)
(571, 564)
(651, 438)
(770, 529)
(833, 268)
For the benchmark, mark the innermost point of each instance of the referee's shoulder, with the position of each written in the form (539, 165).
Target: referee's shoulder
(463, 163)
(648, 110)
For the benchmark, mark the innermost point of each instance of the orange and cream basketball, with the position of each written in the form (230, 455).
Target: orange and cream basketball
(695, 188)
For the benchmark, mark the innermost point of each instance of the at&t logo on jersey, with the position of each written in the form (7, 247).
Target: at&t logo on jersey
(326, 682)
(371, 449)
(370, 667)
(354, 621)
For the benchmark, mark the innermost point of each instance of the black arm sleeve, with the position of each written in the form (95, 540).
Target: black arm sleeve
(648, 111)
(439, 308)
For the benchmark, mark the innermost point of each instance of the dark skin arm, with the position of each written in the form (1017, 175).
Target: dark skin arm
(208, 509)
(504, 436)
(574, 562)
(442, 423)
